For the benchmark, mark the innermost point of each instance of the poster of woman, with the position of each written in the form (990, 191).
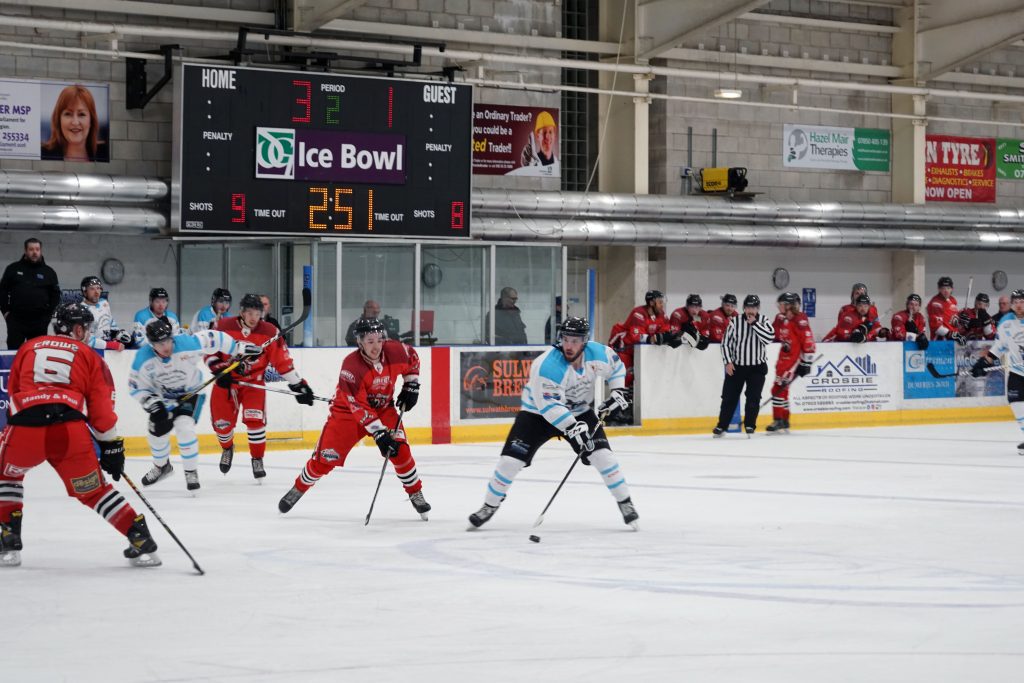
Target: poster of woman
(78, 127)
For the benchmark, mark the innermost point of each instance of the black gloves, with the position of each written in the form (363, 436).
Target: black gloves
(618, 399)
(304, 394)
(408, 396)
(859, 335)
(387, 444)
(922, 341)
(161, 422)
(579, 438)
(958, 338)
(112, 458)
(702, 343)
(803, 369)
(911, 327)
(981, 366)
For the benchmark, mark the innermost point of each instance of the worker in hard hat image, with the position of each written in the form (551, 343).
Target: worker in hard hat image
(540, 153)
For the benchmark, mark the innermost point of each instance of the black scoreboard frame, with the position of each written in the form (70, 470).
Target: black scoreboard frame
(337, 208)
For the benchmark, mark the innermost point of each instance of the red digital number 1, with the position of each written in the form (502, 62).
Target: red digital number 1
(238, 204)
(305, 101)
(458, 215)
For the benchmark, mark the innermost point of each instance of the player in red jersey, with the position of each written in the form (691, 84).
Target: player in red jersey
(60, 389)
(690, 323)
(908, 325)
(942, 313)
(645, 324)
(228, 398)
(976, 323)
(858, 326)
(721, 317)
(795, 357)
(363, 406)
(858, 289)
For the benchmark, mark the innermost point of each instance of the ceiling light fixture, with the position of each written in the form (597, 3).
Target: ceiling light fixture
(728, 93)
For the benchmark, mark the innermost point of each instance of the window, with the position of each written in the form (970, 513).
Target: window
(534, 275)
(384, 275)
(460, 277)
(325, 295)
(201, 271)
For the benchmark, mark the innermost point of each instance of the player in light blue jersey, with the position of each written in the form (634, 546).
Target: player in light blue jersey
(206, 318)
(1009, 344)
(158, 302)
(557, 401)
(166, 370)
(103, 331)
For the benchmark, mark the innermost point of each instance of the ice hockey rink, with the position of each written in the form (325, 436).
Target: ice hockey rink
(890, 554)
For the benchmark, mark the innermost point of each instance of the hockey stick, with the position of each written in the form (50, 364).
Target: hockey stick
(540, 518)
(275, 390)
(957, 373)
(769, 399)
(307, 301)
(156, 514)
(383, 468)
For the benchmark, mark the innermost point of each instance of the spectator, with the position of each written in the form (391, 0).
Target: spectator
(206, 318)
(909, 325)
(266, 311)
(103, 330)
(1004, 308)
(690, 323)
(509, 328)
(975, 323)
(746, 364)
(159, 300)
(857, 326)
(371, 311)
(721, 317)
(558, 321)
(29, 294)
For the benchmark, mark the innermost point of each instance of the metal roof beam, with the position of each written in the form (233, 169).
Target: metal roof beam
(663, 24)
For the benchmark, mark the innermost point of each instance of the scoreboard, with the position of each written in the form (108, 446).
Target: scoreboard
(262, 151)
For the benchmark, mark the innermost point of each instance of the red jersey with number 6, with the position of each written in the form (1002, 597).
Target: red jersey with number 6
(58, 379)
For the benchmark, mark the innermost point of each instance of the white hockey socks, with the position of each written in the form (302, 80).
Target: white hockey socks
(1018, 412)
(506, 471)
(608, 467)
(160, 447)
(188, 442)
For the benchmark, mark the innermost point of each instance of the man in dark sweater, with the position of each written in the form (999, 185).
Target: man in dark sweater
(29, 294)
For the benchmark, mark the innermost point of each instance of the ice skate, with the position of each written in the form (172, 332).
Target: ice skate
(10, 541)
(141, 550)
(749, 431)
(257, 470)
(481, 516)
(420, 503)
(226, 456)
(717, 432)
(629, 513)
(289, 499)
(192, 480)
(778, 427)
(157, 473)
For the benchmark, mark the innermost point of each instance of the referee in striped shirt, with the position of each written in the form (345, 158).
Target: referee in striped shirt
(743, 352)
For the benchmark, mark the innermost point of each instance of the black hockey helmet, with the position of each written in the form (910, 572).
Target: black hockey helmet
(574, 327)
(158, 293)
(914, 297)
(365, 326)
(982, 297)
(858, 285)
(752, 300)
(70, 315)
(1016, 294)
(159, 330)
(220, 294)
(90, 280)
(694, 300)
(252, 301)
(862, 299)
(652, 295)
(945, 281)
(791, 298)
(729, 299)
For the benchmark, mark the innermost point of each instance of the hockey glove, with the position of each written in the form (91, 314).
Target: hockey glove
(112, 458)
(786, 347)
(160, 421)
(618, 399)
(958, 338)
(578, 437)
(803, 369)
(922, 341)
(304, 394)
(387, 444)
(974, 324)
(883, 333)
(247, 350)
(124, 337)
(911, 327)
(656, 338)
(703, 342)
(408, 396)
(981, 366)
(858, 336)
(219, 366)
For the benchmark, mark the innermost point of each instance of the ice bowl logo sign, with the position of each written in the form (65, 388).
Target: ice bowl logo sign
(275, 153)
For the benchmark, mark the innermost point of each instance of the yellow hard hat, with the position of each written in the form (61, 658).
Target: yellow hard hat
(544, 120)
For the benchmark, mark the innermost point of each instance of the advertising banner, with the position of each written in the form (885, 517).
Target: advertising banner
(917, 381)
(1009, 159)
(810, 299)
(847, 379)
(6, 361)
(492, 382)
(959, 169)
(54, 120)
(846, 149)
(511, 140)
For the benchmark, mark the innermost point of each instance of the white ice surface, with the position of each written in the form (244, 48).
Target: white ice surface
(854, 555)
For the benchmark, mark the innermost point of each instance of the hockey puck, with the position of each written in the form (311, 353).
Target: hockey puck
(535, 539)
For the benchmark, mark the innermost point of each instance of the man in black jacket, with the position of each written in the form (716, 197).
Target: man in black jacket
(29, 294)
